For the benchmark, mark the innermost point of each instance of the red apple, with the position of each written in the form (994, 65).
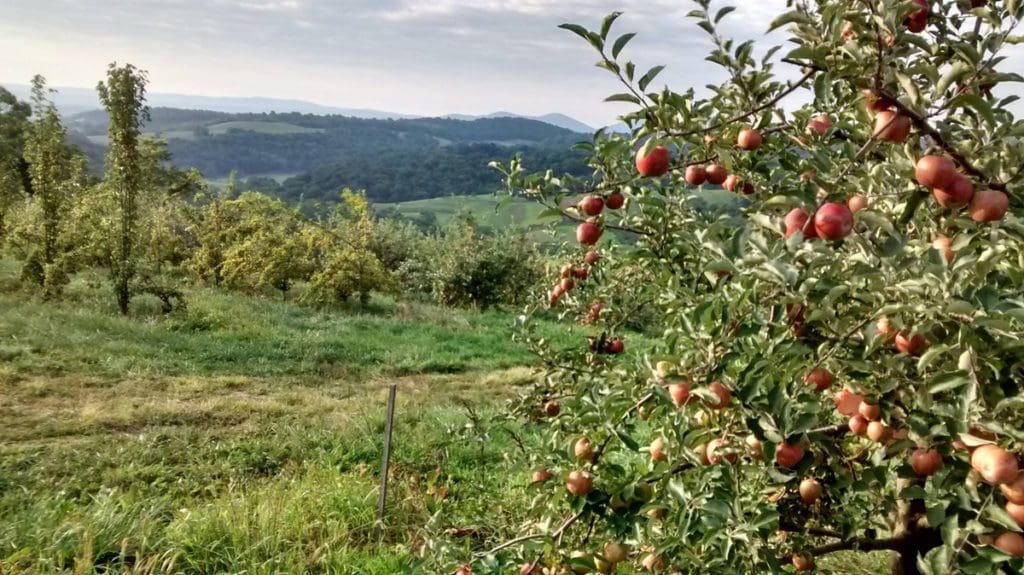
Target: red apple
(552, 408)
(1010, 543)
(591, 205)
(680, 393)
(696, 175)
(935, 171)
(615, 200)
(819, 124)
(802, 562)
(917, 21)
(795, 221)
(1014, 490)
(820, 378)
(870, 411)
(988, 206)
(847, 402)
(540, 476)
(1016, 511)
(944, 246)
(789, 455)
(579, 483)
(833, 221)
(583, 449)
(719, 450)
(891, 127)
(616, 346)
(955, 195)
(876, 102)
(749, 139)
(588, 233)
(723, 393)
(657, 450)
(879, 432)
(567, 284)
(592, 257)
(996, 465)
(717, 174)
(926, 462)
(858, 425)
(911, 345)
(654, 164)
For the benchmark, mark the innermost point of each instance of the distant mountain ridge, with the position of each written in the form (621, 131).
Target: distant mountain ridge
(76, 100)
(310, 157)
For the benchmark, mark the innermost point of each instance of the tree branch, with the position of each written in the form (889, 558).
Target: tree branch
(792, 88)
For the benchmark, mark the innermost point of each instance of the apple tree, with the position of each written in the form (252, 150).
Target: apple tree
(838, 364)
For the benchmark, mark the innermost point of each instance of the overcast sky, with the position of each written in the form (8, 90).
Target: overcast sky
(428, 57)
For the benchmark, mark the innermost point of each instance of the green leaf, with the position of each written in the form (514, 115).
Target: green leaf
(606, 25)
(626, 439)
(623, 98)
(577, 29)
(956, 72)
(649, 76)
(787, 18)
(978, 104)
(723, 13)
(947, 382)
(621, 42)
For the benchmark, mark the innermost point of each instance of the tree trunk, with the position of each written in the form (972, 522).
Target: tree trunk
(909, 522)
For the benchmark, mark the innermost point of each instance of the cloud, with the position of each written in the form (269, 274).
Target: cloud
(412, 56)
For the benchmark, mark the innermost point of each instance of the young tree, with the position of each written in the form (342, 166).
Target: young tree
(841, 367)
(56, 173)
(124, 97)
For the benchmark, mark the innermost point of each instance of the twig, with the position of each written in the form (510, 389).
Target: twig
(792, 88)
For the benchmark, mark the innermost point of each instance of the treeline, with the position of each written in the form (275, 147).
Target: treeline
(150, 224)
(419, 174)
(392, 160)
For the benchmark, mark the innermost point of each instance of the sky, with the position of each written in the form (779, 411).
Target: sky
(422, 57)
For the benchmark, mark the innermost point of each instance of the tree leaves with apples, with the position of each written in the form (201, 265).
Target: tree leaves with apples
(839, 366)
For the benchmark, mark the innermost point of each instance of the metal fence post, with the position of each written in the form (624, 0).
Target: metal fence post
(388, 424)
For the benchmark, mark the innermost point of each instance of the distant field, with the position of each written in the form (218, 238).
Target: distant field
(275, 128)
(490, 210)
(501, 212)
(221, 182)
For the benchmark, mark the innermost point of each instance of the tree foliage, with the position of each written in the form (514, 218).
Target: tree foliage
(779, 348)
(124, 97)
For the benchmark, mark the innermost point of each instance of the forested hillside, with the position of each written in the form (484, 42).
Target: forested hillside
(393, 160)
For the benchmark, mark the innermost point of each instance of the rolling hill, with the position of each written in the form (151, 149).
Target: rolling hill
(393, 160)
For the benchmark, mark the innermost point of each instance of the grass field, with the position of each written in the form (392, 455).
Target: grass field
(497, 212)
(244, 434)
(274, 128)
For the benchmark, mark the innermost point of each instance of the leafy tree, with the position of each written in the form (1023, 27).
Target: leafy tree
(345, 264)
(462, 266)
(15, 183)
(267, 246)
(826, 381)
(124, 97)
(56, 175)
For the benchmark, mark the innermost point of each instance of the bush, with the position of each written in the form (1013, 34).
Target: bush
(460, 266)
